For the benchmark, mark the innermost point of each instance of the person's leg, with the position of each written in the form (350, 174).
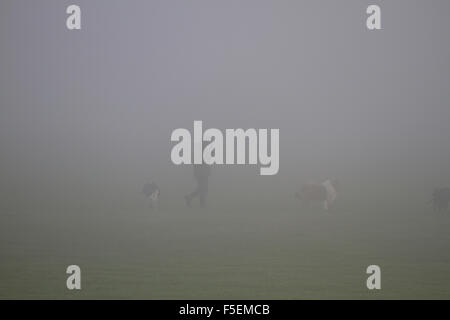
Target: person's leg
(193, 194)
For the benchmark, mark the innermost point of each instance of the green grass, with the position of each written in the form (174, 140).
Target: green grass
(218, 254)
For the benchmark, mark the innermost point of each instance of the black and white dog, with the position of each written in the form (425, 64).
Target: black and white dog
(440, 199)
(324, 193)
(151, 191)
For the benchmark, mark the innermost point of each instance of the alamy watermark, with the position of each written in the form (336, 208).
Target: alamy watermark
(241, 146)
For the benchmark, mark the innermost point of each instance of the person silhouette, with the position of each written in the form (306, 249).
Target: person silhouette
(201, 176)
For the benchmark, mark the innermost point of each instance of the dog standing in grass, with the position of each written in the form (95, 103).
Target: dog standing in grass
(151, 191)
(440, 199)
(324, 193)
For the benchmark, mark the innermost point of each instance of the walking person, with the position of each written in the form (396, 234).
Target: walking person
(201, 176)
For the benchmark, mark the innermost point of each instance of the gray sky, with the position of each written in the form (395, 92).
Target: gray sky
(96, 107)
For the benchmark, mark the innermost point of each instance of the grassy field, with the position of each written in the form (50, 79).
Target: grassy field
(291, 253)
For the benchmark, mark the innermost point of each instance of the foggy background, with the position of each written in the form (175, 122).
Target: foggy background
(86, 118)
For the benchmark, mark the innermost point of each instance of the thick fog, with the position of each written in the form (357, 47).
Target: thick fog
(86, 116)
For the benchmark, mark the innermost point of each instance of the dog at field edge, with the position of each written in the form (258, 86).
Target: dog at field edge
(324, 193)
